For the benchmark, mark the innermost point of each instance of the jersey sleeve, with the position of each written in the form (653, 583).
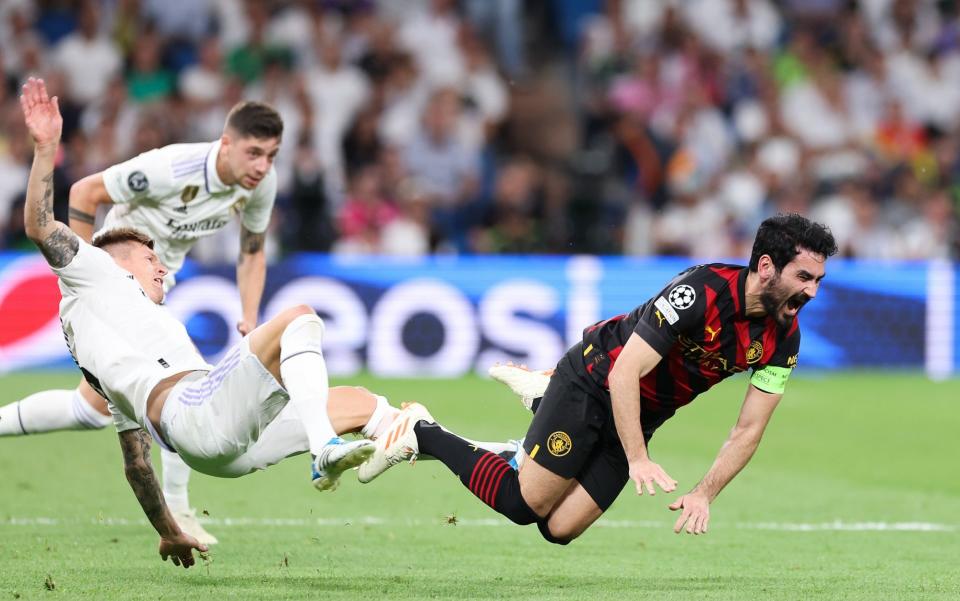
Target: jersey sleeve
(147, 175)
(90, 266)
(120, 421)
(677, 309)
(256, 213)
(772, 377)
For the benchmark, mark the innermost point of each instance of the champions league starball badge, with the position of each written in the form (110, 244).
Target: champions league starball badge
(682, 296)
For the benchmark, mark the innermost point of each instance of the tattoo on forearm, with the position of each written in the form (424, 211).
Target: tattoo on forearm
(45, 210)
(251, 242)
(81, 216)
(139, 471)
(60, 246)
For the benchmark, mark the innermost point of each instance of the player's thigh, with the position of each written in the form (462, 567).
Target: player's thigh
(559, 441)
(92, 397)
(283, 437)
(575, 512)
(596, 488)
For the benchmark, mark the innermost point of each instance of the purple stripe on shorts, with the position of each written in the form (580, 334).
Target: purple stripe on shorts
(200, 392)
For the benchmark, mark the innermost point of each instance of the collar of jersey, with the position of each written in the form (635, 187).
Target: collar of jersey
(210, 177)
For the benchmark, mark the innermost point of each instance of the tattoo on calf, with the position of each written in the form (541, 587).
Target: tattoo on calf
(81, 216)
(60, 247)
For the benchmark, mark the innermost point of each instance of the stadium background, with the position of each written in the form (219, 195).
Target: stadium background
(483, 178)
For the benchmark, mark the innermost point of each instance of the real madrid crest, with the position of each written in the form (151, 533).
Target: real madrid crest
(755, 352)
(239, 205)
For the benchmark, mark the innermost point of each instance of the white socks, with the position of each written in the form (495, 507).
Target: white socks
(381, 418)
(304, 374)
(176, 476)
(49, 411)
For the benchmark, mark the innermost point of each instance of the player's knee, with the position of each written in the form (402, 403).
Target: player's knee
(298, 310)
(551, 534)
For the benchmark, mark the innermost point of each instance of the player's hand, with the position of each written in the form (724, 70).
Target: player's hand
(646, 473)
(41, 113)
(245, 326)
(694, 512)
(180, 549)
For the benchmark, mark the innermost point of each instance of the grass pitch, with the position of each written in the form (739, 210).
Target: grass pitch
(853, 494)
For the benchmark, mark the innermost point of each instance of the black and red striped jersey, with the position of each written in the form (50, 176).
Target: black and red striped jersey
(698, 325)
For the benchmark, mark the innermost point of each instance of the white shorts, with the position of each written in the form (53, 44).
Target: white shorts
(213, 419)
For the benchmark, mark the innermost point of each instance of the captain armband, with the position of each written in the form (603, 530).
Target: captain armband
(771, 379)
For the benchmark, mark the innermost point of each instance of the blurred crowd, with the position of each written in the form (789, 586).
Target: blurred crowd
(500, 126)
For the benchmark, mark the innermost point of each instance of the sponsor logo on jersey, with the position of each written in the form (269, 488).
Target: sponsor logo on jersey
(713, 361)
(755, 352)
(792, 360)
(708, 331)
(682, 296)
(183, 230)
(559, 444)
(137, 181)
(668, 312)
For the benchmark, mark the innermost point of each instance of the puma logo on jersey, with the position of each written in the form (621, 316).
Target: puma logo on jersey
(712, 333)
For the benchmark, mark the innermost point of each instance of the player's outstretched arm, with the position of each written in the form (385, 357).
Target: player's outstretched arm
(42, 117)
(251, 275)
(135, 445)
(636, 360)
(734, 455)
(85, 196)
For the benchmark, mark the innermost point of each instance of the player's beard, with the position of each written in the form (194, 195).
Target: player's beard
(775, 298)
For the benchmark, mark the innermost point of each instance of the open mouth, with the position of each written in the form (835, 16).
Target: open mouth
(795, 303)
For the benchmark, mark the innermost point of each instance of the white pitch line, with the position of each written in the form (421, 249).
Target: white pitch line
(834, 526)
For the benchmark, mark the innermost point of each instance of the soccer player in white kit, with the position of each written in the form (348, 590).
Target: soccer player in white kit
(138, 357)
(176, 195)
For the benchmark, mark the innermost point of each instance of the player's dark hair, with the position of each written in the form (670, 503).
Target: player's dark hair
(121, 235)
(783, 236)
(253, 119)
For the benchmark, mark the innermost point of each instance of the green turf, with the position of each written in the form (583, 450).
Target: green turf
(855, 448)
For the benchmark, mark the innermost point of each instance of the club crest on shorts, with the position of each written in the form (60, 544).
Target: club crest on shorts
(559, 444)
(754, 352)
(682, 296)
(138, 181)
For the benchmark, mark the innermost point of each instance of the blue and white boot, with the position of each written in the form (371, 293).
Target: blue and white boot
(336, 457)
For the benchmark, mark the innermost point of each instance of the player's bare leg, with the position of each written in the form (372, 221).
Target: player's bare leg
(289, 346)
(573, 514)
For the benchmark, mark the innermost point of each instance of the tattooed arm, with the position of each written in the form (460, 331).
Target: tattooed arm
(42, 117)
(251, 274)
(135, 445)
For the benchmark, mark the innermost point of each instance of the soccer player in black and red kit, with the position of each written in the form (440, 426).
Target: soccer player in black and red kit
(630, 373)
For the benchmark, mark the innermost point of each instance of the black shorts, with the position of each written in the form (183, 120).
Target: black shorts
(573, 434)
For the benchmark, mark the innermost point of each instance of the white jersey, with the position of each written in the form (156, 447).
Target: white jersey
(122, 341)
(174, 195)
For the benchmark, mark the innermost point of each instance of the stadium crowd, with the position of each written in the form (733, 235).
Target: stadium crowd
(501, 126)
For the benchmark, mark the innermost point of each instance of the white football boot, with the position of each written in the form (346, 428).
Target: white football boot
(529, 385)
(398, 443)
(188, 522)
(337, 457)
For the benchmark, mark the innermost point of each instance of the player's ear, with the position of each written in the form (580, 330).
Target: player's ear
(765, 267)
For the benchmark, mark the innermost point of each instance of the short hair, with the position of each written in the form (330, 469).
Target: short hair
(253, 119)
(121, 235)
(783, 236)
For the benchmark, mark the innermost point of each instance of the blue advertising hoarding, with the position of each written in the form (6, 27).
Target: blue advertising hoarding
(446, 316)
